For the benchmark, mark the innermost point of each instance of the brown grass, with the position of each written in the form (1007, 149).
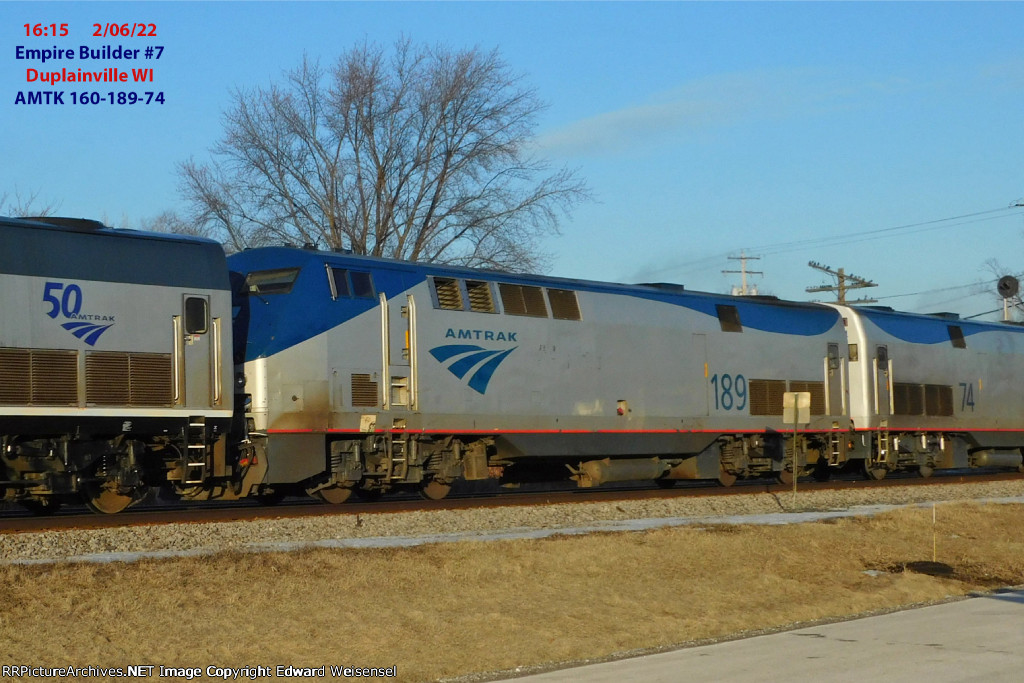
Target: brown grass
(451, 609)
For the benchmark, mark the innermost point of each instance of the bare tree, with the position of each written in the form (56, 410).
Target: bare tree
(421, 154)
(24, 205)
(171, 222)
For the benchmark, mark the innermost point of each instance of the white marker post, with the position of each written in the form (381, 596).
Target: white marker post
(796, 410)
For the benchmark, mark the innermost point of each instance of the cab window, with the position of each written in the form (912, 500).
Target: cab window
(277, 281)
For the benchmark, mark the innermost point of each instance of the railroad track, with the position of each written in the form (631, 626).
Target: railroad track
(78, 517)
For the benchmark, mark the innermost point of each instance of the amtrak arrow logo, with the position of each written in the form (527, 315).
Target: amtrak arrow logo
(87, 332)
(466, 357)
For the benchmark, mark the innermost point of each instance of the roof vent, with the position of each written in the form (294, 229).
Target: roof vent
(667, 286)
(61, 222)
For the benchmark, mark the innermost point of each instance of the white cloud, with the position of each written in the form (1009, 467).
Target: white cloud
(695, 110)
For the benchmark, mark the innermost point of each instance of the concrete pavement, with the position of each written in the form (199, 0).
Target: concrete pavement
(977, 639)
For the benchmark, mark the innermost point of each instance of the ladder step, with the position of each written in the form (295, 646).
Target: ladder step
(194, 458)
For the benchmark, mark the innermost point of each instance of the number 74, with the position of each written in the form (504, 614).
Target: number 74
(966, 396)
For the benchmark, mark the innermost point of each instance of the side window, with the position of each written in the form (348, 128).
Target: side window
(349, 283)
(278, 281)
(362, 284)
(337, 278)
(197, 315)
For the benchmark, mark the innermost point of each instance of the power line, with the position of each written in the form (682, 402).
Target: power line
(870, 234)
(940, 289)
(852, 238)
(844, 281)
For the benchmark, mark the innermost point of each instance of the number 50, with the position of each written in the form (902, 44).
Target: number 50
(70, 303)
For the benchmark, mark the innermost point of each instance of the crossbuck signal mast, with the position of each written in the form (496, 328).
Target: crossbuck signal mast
(743, 258)
(844, 282)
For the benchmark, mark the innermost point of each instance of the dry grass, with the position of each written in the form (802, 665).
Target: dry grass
(451, 609)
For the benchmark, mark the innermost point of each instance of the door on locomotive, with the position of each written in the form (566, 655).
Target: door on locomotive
(398, 346)
(835, 381)
(197, 351)
(882, 366)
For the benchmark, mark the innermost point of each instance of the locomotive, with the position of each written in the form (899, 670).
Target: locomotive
(114, 362)
(131, 361)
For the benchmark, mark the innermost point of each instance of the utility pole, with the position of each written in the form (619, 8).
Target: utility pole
(743, 258)
(844, 282)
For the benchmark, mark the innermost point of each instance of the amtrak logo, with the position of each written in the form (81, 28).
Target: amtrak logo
(466, 357)
(87, 332)
(66, 301)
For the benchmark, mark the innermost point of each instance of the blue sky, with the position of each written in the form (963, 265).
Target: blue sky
(793, 131)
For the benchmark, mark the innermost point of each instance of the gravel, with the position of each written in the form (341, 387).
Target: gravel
(429, 526)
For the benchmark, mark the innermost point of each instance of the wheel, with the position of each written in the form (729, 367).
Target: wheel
(785, 477)
(435, 490)
(665, 483)
(41, 507)
(106, 498)
(925, 471)
(874, 473)
(726, 478)
(335, 495)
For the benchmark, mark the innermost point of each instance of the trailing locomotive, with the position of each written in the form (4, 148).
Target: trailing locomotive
(367, 374)
(341, 375)
(115, 372)
(933, 391)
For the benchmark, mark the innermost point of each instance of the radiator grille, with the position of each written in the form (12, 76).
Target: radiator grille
(15, 376)
(534, 299)
(512, 299)
(151, 379)
(38, 377)
(817, 391)
(106, 379)
(448, 294)
(766, 396)
(364, 391)
(938, 399)
(133, 379)
(563, 304)
(480, 299)
(922, 399)
(523, 300)
(907, 399)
